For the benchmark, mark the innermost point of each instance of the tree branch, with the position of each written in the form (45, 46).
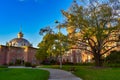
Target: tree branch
(109, 49)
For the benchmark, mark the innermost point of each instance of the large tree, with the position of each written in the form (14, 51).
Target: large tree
(95, 26)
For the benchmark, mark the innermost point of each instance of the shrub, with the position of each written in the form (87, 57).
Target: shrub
(18, 62)
(27, 64)
(53, 62)
(85, 64)
(114, 57)
(11, 64)
(113, 60)
(113, 65)
(34, 65)
(45, 62)
(3, 66)
(68, 63)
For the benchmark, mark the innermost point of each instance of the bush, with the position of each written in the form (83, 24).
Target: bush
(114, 57)
(18, 62)
(113, 60)
(46, 62)
(11, 64)
(3, 66)
(27, 64)
(85, 64)
(34, 65)
(53, 62)
(113, 65)
(68, 63)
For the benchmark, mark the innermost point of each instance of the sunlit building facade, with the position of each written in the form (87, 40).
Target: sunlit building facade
(17, 49)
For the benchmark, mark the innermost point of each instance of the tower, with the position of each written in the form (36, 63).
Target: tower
(20, 34)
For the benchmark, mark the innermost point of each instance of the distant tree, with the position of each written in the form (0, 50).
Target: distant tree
(50, 47)
(95, 24)
(44, 50)
(61, 45)
(42, 53)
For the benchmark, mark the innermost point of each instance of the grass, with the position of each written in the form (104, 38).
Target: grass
(92, 73)
(23, 74)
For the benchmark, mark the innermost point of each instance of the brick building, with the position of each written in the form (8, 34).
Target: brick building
(17, 49)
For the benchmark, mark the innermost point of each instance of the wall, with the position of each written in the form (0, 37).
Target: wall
(9, 54)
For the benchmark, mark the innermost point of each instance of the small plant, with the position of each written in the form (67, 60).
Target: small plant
(28, 64)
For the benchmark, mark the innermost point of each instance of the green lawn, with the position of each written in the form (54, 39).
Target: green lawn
(91, 73)
(23, 74)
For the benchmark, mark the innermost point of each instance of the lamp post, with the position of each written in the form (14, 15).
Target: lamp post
(59, 40)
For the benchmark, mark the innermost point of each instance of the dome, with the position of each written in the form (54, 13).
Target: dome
(19, 42)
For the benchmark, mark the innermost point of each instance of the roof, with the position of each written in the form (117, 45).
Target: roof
(19, 42)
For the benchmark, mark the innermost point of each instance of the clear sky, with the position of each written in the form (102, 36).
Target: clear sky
(31, 14)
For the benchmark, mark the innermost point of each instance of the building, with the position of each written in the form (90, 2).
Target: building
(18, 49)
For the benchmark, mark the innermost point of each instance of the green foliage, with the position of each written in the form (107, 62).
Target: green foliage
(34, 65)
(11, 64)
(85, 64)
(114, 57)
(41, 54)
(3, 66)
(96, 23)
(113, 60)
(18, 62)
(27, 64)
(116, 65)
(49, 62)
(51, 46)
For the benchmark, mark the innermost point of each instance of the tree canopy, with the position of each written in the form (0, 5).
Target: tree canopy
(94, 24)
(52, 46)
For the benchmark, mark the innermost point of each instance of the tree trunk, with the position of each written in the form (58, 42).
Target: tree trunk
(98, 60)
(60, 61)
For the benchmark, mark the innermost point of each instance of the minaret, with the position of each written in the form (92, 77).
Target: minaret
(20, 34)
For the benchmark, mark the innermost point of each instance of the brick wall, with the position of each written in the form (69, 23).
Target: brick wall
(10, 54)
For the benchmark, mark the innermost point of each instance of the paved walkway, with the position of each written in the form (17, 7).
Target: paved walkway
(55, 74)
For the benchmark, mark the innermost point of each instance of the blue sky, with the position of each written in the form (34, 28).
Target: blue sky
(31, 14)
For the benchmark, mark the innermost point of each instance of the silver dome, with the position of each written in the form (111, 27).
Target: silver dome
(18, 42)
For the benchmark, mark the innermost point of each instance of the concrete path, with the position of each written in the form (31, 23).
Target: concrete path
(56, 74)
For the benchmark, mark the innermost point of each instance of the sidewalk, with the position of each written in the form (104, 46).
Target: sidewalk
(56, 74)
